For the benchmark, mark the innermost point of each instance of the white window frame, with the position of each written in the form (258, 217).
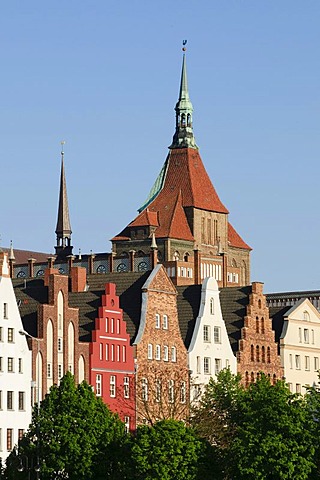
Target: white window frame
(217, 334)
(98, 385)
(207, 365)
(206, 334)
(165, 322)
(150, 353)
(173, 354)
(158, 320)
(217, 365)
(113, 385)
(126, 387)
(166, 353)
(144, 389)
(158, 352)
(171, 391)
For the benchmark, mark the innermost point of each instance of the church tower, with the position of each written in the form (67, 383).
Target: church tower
(185, 213)
(63, 228)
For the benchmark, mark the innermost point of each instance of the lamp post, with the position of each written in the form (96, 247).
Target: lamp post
(26, 466)
(37, 467)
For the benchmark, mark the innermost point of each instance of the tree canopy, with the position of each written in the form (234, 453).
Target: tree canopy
(77, 435)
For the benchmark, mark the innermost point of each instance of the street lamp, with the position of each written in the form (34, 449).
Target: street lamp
(27, 467)
(37, 467)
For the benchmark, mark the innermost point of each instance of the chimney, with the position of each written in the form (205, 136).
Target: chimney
(78, 279)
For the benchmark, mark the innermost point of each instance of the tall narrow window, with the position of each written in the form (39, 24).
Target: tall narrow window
(211, 306)
(312, 337)
(9, 400)
(144, 389)
(171, 391)
(252, 353)
(217, 334)
(165, 353)
(5, 310)
(300, 335)
(268, 355)
(290, 360)
(206, 365)
(158, 352)
(217, 365)
(112, 386)
(10, 335)
(206, 333)
(263, 354)
(306, 335)
(307, 363)
(60, 344)
(257, 353)
(157, 320)
(158, 390)
(173, 354)
(183, 396)
(101, 351)
(126, 387)
(10, 364)
(127, 424)
(316, 363)
(198, 365)
(262, 325)
(150, 351)
(257, 325)
(59, 371)
(298, 364)
(9, 439)
(1, 334)
(21, 400)
(98, 385)
(20, 369)
(165, 322)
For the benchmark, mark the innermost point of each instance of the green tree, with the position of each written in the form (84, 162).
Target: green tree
(78, 436)
(313, 411)
(169, 451)
(272, 439)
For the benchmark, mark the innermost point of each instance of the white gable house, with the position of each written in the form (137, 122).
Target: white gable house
(15, 367)
(210, 350)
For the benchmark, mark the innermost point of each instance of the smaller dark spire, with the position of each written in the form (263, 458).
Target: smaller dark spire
(63, 229)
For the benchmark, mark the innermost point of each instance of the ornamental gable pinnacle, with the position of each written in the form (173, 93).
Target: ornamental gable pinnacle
(63, 228)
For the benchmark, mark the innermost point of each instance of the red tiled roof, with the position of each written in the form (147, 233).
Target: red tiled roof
(145, 218)
(120, 237)
(178, 225)
(235, 240)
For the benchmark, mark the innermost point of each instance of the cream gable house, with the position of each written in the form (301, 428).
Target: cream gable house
(300, 345)
(15, 367)
(210, 350)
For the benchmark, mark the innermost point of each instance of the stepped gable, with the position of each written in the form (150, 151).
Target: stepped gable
(188, 309)
(128, 288)
(234, 302)
(235, 240)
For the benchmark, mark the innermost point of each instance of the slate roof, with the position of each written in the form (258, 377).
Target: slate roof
(128, 287)
(189, 298)
(277, 315)
(234, 301)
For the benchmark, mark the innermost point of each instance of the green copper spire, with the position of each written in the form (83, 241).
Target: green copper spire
(183, 137)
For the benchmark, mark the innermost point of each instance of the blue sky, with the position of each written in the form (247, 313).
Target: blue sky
(104, 76)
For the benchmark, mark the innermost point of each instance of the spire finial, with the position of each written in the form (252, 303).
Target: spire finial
(183, 137)
(63, 229)
(11, 256)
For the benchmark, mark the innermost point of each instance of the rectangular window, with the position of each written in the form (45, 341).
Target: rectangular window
(126, 387)
(21, 400)
(183, 392)
(9, 400)
(150, 351)
(307, 363)
(98, 385)
(157, 320)
(173, 354)
(112, 386)
(165, 353)
(1, 334)
(316, 363)
(171, 391)
(10, 335)
(118, 325)
(107, 325)
(49, 370)
(217, 334)
(298, 388)
(165, 322)
(124, 353)
(107, 351)
(20, 365)
(101, 351)
(59, 371)
(144, 389)
(227, 363)
(198, 365)
(10, 364)
(306, 335)
(206, 365)
(59, 344)
(127, 424)
(217, 365)
(290, 386)
(9, 439)
(298, 364)
(206, 333)
(118, 353)
(0, 399)
(5, 310)
(70, 368)
(290, 360)
(112, 352)
(158, 390)
(312, 337)
(20, 433)
(112, 325)
(158, 352)
(300, 335)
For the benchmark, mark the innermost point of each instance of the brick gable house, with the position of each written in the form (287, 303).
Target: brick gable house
(161, 356)
(250, 332)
